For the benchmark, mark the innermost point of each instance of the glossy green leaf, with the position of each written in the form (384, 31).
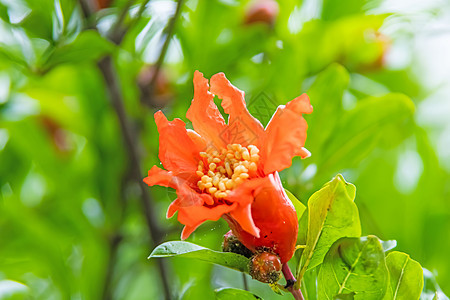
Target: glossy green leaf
(332, 214)
(299, 206)
(190, 250)
(354, 268)
(234, 294)
(309, 284)
(406, 276)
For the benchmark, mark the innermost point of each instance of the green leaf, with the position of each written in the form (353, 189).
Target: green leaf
(309, 284)
(299, 206)
(234, 294)
(4, 13)
(362, 127)
(190, 250)
(406, 276)
(88, 46)
(326, 97)
(333, 10)
(331, 214)
(354, 268)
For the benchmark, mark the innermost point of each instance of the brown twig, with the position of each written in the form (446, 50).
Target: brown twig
(138, 14)
(290, 281)
(168, 32)
(108, 71)
(117, 32)
(112, 83)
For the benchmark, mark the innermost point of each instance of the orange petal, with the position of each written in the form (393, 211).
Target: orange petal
(243, 128)
(199, 142)
(158, 176)
(173, 208)
(177, 152)
(187, 196)
(187, 230)
(244, 195)
(285, 135)
(193, 216)
(243, 215)
(204, 114)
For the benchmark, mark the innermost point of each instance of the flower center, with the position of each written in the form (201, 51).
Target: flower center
(220, 172)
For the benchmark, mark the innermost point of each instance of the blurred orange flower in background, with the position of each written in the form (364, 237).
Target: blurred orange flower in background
(230, 169)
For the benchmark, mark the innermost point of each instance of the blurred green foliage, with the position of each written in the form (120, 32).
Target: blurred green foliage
(72, 225)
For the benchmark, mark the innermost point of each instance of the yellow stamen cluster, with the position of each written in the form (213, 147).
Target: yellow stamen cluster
(221, 171)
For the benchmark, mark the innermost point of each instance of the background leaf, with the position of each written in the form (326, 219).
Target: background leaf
(299, 207)
(88, 46)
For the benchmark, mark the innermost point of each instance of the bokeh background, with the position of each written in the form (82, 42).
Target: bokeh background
(80, 81)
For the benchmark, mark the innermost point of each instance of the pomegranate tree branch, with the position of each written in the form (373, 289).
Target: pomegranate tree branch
(290, 281)
(167, 36)
(112, 84)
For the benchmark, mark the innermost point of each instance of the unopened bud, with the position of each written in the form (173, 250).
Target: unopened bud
(265, 267)
(262, 11)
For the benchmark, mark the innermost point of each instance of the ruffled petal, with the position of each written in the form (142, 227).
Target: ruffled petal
(243, 215)
(187, 230)
(194, 216)
(191, 206)
(187, 196)
(204, 114)
(158, 176)
(177, 151)
(243, 128)
(244, 195)
(285, 135)
(199, 141)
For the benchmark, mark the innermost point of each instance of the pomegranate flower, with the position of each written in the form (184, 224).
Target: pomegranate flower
(230, 170)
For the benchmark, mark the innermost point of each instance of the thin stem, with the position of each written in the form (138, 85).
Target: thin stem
(116, 33)
(290, 281)
(107, 68)
(138, 14)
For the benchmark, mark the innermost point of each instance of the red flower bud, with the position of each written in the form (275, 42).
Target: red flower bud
(265, 267)
(262, 11)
